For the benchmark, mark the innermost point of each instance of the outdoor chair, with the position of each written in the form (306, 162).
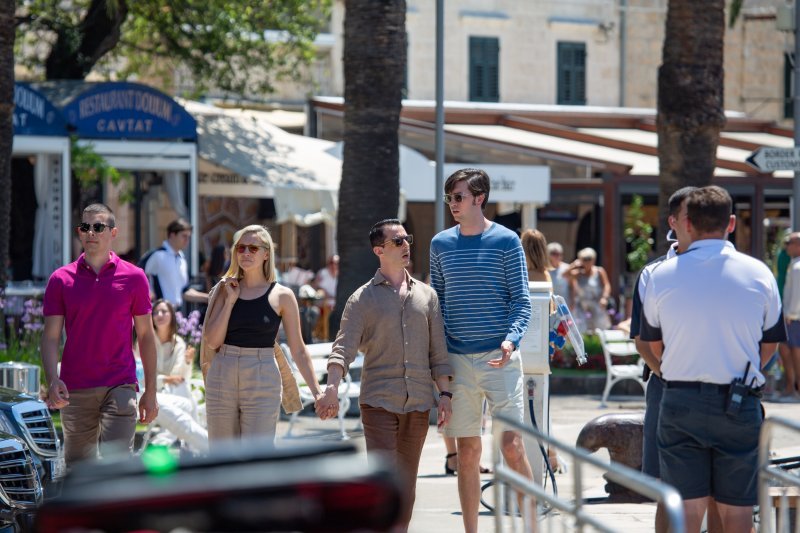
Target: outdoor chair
(347, 388)
(615, 342)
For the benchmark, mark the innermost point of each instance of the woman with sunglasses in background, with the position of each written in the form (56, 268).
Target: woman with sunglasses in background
(243, 381)
(174, 371)
(590, 291)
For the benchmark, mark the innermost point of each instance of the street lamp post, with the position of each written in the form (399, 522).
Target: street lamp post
(438, 221)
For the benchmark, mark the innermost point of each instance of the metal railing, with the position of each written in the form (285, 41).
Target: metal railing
(772, 475)
(634, 480)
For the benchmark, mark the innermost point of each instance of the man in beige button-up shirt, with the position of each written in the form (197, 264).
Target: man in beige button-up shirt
(395, 321)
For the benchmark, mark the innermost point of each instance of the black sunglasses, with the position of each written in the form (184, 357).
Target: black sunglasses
(97, 227)
(458, 197)
(398, 241)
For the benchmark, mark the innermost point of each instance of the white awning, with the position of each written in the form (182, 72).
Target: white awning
(244, 155)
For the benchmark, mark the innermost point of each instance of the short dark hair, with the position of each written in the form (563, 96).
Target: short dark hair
(677, 199)
(709, 209)
(177, 226)
(478, 182)
(98, 208)
(376, 236)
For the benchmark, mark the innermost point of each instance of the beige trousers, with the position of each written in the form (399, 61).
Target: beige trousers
(243, 394)
(104, 416)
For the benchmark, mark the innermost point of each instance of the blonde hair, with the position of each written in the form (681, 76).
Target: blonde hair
(261, 232)
(535, 245)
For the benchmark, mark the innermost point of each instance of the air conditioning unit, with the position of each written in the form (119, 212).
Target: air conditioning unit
(22, 377)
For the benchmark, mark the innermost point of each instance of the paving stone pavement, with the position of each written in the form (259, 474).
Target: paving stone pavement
(437, 506)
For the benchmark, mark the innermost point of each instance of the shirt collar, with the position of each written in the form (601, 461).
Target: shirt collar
(711, 245)
(380, 279)
(171, 250)
(113, 261)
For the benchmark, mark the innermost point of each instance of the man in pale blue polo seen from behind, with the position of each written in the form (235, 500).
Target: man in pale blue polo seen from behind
(478, 271)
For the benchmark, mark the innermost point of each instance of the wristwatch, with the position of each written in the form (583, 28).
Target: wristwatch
(446, 393)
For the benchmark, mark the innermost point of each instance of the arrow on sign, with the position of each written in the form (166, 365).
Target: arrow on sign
(767, 159)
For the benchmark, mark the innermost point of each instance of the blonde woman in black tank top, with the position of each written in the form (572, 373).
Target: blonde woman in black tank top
(243, 383)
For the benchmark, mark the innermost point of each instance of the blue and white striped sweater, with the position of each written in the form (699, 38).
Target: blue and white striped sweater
(482, 284)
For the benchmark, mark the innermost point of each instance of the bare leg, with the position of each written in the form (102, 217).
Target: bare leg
(714, 520)
(735, 518)
(662, 524)
(469, 481)
(514, 453)
(788, 357)
(694, 510)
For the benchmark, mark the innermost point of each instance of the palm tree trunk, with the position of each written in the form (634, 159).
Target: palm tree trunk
(374, 64)
(690, 98)
(7, 30)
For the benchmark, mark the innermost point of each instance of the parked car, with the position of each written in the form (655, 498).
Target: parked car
(28, 418)
(20, 486)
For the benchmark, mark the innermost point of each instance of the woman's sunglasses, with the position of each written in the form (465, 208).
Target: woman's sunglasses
(398, 241)
(97, 227)
(252, 248)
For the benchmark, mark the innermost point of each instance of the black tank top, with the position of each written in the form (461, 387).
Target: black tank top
(253, 323)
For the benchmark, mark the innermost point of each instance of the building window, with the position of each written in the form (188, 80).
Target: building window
(788, 85)
(484, 69)
(571, 74)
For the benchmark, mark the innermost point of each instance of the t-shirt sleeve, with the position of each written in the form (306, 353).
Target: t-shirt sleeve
(636, 309)
(650, 322)
(140, 295)
(54, 297)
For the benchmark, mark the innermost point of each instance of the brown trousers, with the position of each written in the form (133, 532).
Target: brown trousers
(100, 417)
(243, 394)
(399, 438)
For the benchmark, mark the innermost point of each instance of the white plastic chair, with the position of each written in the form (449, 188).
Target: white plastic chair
(616, 343)
(346, 387)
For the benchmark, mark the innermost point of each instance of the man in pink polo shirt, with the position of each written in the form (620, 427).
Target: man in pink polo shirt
(99, 298)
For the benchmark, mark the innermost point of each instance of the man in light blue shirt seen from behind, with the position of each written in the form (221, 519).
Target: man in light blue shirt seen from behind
(478, 271)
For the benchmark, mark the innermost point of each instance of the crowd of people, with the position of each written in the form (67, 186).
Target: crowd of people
(452, 346)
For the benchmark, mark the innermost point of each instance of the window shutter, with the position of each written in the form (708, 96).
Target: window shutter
(571, 73)
(484, 79)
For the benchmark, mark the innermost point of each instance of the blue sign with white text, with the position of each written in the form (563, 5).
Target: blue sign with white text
(35, 115)
(128, 111)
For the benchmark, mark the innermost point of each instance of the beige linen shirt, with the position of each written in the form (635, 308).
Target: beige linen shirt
(402, 341)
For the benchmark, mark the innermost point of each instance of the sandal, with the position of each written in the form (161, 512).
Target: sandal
(452, 471)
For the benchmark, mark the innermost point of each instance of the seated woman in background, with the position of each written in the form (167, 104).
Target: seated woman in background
(177, 411)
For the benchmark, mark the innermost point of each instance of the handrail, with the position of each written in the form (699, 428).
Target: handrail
(770, 473)
(636, 481)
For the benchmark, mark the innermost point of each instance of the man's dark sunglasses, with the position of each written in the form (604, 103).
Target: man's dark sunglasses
(398, 241)
(97, 227)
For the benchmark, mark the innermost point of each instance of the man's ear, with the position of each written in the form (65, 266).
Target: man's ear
(377, 250)
(731, 225)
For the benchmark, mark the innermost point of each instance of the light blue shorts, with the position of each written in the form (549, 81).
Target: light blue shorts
(475, 380)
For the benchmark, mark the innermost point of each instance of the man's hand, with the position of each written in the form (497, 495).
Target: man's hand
(57, 395)
(507, 347)
(327, 403)
(445, 410)
(148, 407)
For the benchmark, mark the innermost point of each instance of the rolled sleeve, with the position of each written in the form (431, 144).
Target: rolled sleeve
(345, 347)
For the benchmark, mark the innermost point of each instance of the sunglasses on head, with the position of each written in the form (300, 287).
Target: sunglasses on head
(252, 248)
(398, 241)
(97, 227)
(458, 197)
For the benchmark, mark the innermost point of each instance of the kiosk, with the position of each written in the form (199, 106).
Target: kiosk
(535, 351)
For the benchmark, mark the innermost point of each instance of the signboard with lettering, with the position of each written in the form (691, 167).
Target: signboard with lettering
(512, 183)
(771, 159)
(35, 115)
(129, 111)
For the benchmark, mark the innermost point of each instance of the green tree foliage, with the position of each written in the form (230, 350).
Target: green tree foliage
(91, 169)
(241, 46)
(638, 234)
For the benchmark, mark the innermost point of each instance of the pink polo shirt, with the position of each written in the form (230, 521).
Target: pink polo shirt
(98, 311)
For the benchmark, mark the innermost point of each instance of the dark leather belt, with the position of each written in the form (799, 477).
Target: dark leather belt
(698, 386)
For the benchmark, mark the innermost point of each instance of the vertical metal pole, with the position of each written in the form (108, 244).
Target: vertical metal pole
(623, 44)
(796, 100)
(438, 221)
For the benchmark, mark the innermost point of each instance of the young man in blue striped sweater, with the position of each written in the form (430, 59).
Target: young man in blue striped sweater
(478, 271)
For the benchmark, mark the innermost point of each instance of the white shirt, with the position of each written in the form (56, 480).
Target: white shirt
(712, 305)
(791, 291)
(327, 282)
(172, 271)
